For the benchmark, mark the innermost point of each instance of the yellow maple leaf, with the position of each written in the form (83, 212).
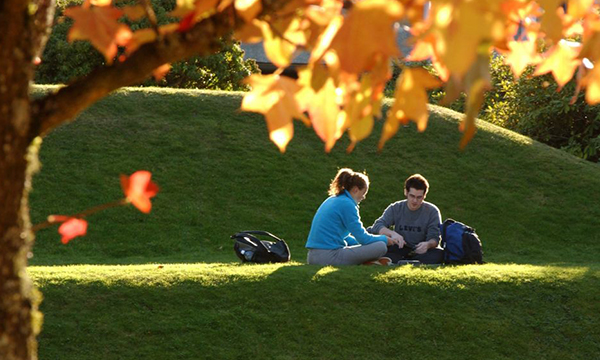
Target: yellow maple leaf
(424, 49)
(562, 61)
(359, 111)
(100, 2)
(551, 23)
(199, 7)
(410, 102)
(99, 25)
(250, 32)
(367, 30)
(592, 82)
(579, 8)
(591, 40)
(521, 54)
(248, 9)
(475, 97)
(322, 100)
(274, 97)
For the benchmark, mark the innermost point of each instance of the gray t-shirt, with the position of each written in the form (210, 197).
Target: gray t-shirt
(415, 226)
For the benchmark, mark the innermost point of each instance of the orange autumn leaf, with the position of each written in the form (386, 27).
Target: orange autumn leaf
(134, 12)
(274, 97)
(561, 61)
(367, 31)
(410, 102)
(71, 228)
(143, 36)
(161, 71)
(99, 25)
(250, 32)
(139, 189)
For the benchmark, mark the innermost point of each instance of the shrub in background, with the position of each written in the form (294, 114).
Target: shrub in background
(533, 106)
(63, 61)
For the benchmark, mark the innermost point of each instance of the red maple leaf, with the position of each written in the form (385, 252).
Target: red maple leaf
(139, 189)
(71, 228)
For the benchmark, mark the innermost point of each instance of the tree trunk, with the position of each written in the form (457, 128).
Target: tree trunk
(20, 40)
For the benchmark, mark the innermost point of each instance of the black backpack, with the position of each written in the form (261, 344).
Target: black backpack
(460, 243)
(249, 248)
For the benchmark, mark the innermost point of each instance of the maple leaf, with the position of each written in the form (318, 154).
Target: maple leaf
(161, 71)
(359, 112)
(70, 228)
(475, 97)
(322, 98)
(99, 2)
(562, 61)
(368, 30)
(521, 54)
(424, 49)
(592, 82)
(277, 48)
(591, 40)
(139, 189)
(551, 23)
(579, 8)
(477, 81)
(250, 32)
(199, 7)
(248, 9)
(134, 12)
(274, 97)
(463, 28)
(99, 25)
(410, 101)
(143, 36)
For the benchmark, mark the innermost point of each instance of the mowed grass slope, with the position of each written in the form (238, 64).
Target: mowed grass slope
(219, 174)
(168, 286)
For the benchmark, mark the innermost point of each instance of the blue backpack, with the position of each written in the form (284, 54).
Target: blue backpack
(460, 243)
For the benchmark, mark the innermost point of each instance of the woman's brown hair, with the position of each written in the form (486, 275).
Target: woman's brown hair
(346, 179)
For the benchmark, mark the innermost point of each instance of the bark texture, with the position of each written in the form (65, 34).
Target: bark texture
(18, 305)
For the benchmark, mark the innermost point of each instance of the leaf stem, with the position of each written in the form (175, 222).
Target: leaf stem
(51, 219)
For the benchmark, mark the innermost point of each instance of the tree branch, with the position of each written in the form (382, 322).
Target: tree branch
(64, 105)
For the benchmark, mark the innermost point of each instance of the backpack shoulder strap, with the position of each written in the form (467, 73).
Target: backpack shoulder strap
(247, 235)
(445, 225)
(264, 233)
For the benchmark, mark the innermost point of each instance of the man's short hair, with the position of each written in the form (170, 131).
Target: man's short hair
(417, 182)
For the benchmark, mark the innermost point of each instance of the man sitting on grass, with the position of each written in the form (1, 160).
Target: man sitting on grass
(414, 223)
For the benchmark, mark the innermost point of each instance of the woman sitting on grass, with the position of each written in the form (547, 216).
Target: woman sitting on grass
(337, 236)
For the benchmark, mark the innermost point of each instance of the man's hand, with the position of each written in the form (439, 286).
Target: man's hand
(393, 238)
(422, 247)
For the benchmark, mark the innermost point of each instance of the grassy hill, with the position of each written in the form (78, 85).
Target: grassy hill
(534, 207)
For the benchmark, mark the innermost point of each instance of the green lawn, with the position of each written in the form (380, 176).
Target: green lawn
(168, 286)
